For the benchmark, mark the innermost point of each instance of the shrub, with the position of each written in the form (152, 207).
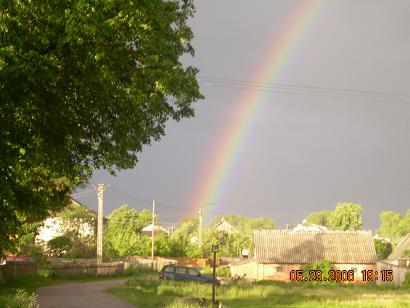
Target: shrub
(60, 245)
(383, 249)
(221, 271)
(21, 299)
(325, 266)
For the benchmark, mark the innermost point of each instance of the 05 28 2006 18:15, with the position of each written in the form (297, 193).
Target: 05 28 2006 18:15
(339, 276)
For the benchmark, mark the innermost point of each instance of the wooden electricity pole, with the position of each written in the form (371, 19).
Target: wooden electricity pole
(200, 227)
(100, 188)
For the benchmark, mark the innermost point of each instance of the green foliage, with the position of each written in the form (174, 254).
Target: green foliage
(325, 266)
(145, 292)
(20, 299)
(393, 225)
(181, 239)
(346, 216)
(221, 271)
(162, 245)
(84, 85)
(383, 249)
(245, 224)
(123, 236)
(60, 245)
(319, 218)
(407, 280)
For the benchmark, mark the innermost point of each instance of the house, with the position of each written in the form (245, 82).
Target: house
(401, 254)
(277, 252)
(224, 226)
(158, 230)
(398, 262)
(53, 225)
(306, 226)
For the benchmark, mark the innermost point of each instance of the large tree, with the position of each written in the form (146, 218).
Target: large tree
(319, 218)
(346, 216)
(123, 235)
(393, 225)
(84, 84)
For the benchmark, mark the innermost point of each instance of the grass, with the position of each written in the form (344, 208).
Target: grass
(147, 292)
(20, 291)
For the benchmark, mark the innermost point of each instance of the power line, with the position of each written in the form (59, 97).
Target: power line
(82, 194)
(306, 90)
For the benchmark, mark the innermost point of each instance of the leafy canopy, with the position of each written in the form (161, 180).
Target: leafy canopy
(319, 218)
(393, 225)
(123, 236)
(84, 84)
(346, 216)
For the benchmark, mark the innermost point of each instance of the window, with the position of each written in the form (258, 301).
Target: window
(279, 269)
(180, 270)
(169, 269)
(192, 272)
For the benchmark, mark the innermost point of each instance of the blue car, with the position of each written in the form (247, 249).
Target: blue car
(183, 273)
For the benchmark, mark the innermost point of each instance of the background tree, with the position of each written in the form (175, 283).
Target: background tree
(245, 224)
(346, 216)
(84, 84)
(185, 238)
(319, 218)
(383, 249)
(393, 225)
(123, 232)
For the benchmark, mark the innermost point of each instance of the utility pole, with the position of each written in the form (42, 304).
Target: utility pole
(152, 234)
(100, 188)
(200, 226)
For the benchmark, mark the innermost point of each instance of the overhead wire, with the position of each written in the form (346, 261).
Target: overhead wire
(338, 93)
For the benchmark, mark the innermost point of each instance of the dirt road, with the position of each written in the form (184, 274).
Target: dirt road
(88, 294)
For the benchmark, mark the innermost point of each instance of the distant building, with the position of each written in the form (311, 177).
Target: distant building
(158, 230)
(224, 226)
(306, 226)
(277, 252)
(401, 253)
(53, 225)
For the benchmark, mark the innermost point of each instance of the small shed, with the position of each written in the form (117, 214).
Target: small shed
(277, 252)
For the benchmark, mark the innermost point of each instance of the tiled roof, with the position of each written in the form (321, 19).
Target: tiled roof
(402, 246)
(290, 247)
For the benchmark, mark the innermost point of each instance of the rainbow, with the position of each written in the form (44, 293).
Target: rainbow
(215, 173)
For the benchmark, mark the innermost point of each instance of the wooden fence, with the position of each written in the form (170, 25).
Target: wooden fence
(13, 269)
(74, 269)
(399, 272)
(157, 264)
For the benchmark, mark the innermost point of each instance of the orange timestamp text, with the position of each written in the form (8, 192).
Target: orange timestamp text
(340, 276)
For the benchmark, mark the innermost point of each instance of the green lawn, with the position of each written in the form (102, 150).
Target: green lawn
(148, 292)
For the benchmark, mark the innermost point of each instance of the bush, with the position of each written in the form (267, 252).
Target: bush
(221, 271)
(21, 299)
(383, 249)
(325, 266)
(60, 245)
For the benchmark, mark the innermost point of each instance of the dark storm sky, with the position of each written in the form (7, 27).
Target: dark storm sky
(304, 153)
